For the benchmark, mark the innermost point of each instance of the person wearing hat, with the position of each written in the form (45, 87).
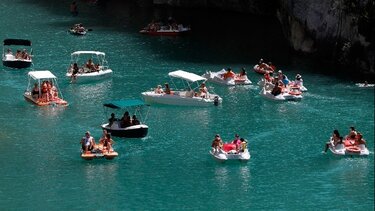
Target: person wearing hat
(217, 143)
(87, 142)
(298, 81)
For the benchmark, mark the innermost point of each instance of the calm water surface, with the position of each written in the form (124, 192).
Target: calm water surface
(171, 168)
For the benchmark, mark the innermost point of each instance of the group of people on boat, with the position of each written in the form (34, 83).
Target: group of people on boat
(236, 146)
(229, 74)
(88, 67)
(202, 91)
(353, 139)
(125, 121)
(154, 26)
(266, 67)
(45, 93)
(20, 54)
(105, 143)
(281, 83)
(78, 27)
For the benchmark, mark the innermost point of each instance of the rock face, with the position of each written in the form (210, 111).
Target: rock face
(342, 31)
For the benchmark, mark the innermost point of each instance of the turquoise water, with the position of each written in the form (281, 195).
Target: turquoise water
(171, 168)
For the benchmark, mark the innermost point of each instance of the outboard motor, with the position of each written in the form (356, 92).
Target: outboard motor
(216, 100)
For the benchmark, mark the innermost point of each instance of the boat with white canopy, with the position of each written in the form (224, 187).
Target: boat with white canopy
(88, 66)
(191, 93)
(43, 90)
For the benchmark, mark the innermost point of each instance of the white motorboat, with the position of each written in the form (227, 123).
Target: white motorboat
(43, 90)
(97, 70)
(347, 148)
(19, 59)
(190, 95)
(289, 94)
(228, 152)
(217, 77)
(133, 130)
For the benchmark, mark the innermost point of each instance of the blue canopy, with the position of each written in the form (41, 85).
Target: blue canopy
(120, 104)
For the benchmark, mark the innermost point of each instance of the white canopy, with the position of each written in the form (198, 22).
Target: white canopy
(88, 52)
(186, 76)
(42, 74)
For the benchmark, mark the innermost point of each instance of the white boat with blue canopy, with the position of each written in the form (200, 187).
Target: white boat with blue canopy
(19, 58)
(86, 72)
(116, 126)
(189, 95)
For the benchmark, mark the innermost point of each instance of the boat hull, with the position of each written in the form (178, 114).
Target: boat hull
(92, 76)
(135, 131)
(341, 150)
(56, 102)
(215, 77)
(18, 64)
(176, 99)
(223, 156)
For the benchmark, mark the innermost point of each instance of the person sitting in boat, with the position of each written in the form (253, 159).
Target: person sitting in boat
(9, 51)
(237, 142)
(53, 94)
(263, 65)
(167, 89)
(352, 133)
(45, 97)
(159, 90)
(25, 55)
(217, 143)
(242, 74)
(35, 91)
(90, 65)
(243, 144)
(229, 74)
(18, 54)
(285, 80)
(125, 120)
(267, 77)
(298, 80)
(271, 67)
(107, 143)
(75, 70)
(112, 119)
(87, 142)
(277, 89)
(135, 121)
(334, 140)
(359, 140)
(203, 91)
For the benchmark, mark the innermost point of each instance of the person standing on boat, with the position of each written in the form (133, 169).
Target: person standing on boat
(87, 142)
